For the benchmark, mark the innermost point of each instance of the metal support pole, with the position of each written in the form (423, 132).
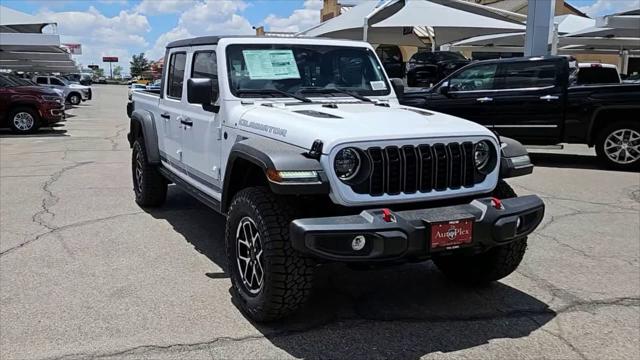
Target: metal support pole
(539, 25)
(110, 71)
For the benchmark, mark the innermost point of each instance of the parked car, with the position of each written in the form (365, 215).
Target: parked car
(82, 78)
(427, 68)
(303, 145)
(25, 107)
(73, 93)
(135, 87)
(594, 73)
(154, 86)
(530, 100)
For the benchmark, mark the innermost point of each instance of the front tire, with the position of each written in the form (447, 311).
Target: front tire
(149, 186)
(269, 278)
(74, 98)
(493, 265)
(24, 120)
(618, 146)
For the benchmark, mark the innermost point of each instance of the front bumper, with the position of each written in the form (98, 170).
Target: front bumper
(408, 236)
(52, 114)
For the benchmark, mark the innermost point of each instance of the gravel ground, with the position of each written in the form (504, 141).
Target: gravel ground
(85, 273)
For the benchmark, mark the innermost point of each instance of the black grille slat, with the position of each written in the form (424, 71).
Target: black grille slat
(426, 168)
(455, 164)
(376, 181)
(469, 166)
(421, 168)
(441, 173)
(394, 170)
(411, 175)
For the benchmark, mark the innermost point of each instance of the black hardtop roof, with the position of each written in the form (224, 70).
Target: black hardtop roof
(213, 40)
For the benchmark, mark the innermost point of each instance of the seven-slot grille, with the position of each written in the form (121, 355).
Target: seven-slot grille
(422, 168)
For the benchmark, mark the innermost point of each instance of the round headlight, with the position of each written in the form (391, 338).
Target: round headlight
(347, 163)
(482, 155)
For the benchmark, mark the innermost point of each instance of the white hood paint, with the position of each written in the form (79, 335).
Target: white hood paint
(357, 122)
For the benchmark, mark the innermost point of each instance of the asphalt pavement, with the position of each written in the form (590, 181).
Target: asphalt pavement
(86, 273)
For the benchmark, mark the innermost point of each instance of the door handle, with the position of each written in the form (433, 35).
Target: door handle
(165, 116)
(549, 97)
(484, 99)
(186, 122)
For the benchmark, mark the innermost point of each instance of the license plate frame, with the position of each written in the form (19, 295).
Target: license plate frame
(451, 234)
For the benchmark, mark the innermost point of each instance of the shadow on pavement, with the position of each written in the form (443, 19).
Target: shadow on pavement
(42, 132)
(404, 311)
(559, 160)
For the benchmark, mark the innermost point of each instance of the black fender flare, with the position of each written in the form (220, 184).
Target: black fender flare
(591, 136)
(514, 159)
(142, 124)
(271, 154)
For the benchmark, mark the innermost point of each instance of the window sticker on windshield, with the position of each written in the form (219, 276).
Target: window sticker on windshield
(271, 64)
(378, 85)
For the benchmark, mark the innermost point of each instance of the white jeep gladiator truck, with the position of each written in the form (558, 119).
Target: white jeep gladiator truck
(303, 146)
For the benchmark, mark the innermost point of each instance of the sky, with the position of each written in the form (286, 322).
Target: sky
(125, 27)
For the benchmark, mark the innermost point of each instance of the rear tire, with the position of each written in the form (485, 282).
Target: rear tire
(493, 265)
(149, 186)
(269, 278)
(24, 120)
(618, 145)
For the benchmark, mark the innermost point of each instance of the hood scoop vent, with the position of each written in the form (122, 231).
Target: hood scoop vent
(317, 114)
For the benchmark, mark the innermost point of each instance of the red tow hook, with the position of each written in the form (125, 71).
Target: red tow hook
(496, 203)
(386, 215)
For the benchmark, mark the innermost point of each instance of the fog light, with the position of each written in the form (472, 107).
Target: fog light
(518, 223)
(358, 243)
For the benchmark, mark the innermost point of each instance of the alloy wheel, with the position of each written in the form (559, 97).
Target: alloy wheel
(249, 255)
(622, 146)
(23, 121)
(138, 171)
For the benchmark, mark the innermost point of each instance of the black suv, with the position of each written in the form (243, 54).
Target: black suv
(427, 68)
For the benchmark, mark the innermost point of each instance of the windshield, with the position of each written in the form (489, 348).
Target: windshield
(598, 75)
(299, 68)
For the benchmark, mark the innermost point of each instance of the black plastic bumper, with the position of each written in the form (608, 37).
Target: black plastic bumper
(408, 236)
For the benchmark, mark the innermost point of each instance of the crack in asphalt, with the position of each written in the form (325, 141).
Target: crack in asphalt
(114, 138)
(65, 227)
(356, 321)
(547, 196)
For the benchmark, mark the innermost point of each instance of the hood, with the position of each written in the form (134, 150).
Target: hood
(302, 124)
(78, 86)
(36, 89)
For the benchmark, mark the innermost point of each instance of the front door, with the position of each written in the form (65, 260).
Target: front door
(529, 100)
(203, 131)
(469, 94)
(172, 102)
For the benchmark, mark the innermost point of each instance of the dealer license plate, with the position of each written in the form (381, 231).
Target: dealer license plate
(451, 234)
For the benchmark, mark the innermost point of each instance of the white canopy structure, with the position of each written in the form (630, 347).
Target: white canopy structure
(392, 22)
(24, 46)
(576, 35)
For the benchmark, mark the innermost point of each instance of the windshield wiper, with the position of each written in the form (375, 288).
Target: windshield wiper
(273, 91)
(334, 91)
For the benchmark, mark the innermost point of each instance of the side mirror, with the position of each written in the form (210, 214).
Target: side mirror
(398, 87)
(201, 91)
(444, 89)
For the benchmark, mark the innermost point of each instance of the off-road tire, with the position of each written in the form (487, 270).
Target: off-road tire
(151, 191)
(600, 144)
(74, 98)
(493, 265)
(288, 275)
(32, 112)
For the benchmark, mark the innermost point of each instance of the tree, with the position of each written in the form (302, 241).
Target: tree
(117, 71)
(139, 64)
